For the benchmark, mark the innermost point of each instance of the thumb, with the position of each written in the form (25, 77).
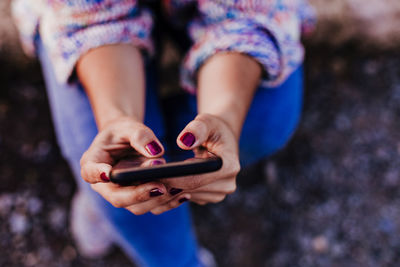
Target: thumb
(195, 133)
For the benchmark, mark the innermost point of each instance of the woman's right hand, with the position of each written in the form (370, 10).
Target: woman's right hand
(117, 139)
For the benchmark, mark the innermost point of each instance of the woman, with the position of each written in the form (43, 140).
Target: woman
(243, 65)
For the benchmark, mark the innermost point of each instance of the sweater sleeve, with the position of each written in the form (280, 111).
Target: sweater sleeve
(268, 31)
(69, 29)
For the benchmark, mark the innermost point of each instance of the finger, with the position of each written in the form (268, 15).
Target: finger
(93, 172)
(145, 141)
(125, 196)
(203, 198)
(223, 186)
(214, 135)
(195, 133)
(193, 182)
(96, 166)
(140, 137)
(144, 207)
(176, 202)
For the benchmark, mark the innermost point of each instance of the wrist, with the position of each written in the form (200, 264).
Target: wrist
(115, 116)
(226, 87)
(113, 77)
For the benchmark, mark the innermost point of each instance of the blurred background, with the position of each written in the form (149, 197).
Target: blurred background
(330, 198)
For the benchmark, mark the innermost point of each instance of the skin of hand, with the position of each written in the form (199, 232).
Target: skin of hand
(113, 78)
(226, 86)
(116, 140)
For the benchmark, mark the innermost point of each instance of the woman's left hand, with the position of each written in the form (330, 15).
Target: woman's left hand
(216, 136)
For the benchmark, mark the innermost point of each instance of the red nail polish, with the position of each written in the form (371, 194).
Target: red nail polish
(153, 148)
(188, 139)
(156, 192)
(104, 177)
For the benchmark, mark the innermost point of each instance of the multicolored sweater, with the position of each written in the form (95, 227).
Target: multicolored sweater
(267, 30)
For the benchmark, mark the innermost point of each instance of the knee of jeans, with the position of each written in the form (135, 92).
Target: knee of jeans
(68, 149)
(278, 138)
(265, 140)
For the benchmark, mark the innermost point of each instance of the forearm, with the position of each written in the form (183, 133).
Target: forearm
(114, 80)
(226, 86)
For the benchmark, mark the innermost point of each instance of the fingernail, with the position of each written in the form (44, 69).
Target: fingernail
(188, 139)
(104, 177)
(175, 191)
(156, 192)
(153, 148)
(183, 200)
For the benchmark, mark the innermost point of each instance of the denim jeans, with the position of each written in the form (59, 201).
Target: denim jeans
(167, 239)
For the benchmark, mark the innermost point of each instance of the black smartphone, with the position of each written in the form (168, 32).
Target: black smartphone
(138, 169)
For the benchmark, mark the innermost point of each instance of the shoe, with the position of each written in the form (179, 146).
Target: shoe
(91, 234)
(206, 258)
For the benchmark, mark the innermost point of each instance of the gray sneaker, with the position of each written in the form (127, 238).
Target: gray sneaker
(91, 233)
(206, 258)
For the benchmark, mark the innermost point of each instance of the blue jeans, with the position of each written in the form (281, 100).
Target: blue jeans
(167, 239)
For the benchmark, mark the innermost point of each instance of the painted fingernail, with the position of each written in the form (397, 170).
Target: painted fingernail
(175, 191)
(153, 148)
(188, 139)
(156, 192)
(183, 200)
(104, 177)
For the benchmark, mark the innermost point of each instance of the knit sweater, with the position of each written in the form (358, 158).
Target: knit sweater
(267, 30)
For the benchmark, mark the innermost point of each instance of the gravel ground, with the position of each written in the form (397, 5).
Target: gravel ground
(330, 198)
(371, 24)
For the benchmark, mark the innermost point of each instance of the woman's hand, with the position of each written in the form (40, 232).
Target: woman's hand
(114, 80)
(215, 135)
(226, 86)
(119, 138)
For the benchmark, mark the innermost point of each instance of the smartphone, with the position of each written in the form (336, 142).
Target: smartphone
(138, 169)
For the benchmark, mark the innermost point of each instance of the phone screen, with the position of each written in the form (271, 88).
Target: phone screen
(139, 169)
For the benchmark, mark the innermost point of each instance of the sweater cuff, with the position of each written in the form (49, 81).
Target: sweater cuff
(67, 48)
(241, 36)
